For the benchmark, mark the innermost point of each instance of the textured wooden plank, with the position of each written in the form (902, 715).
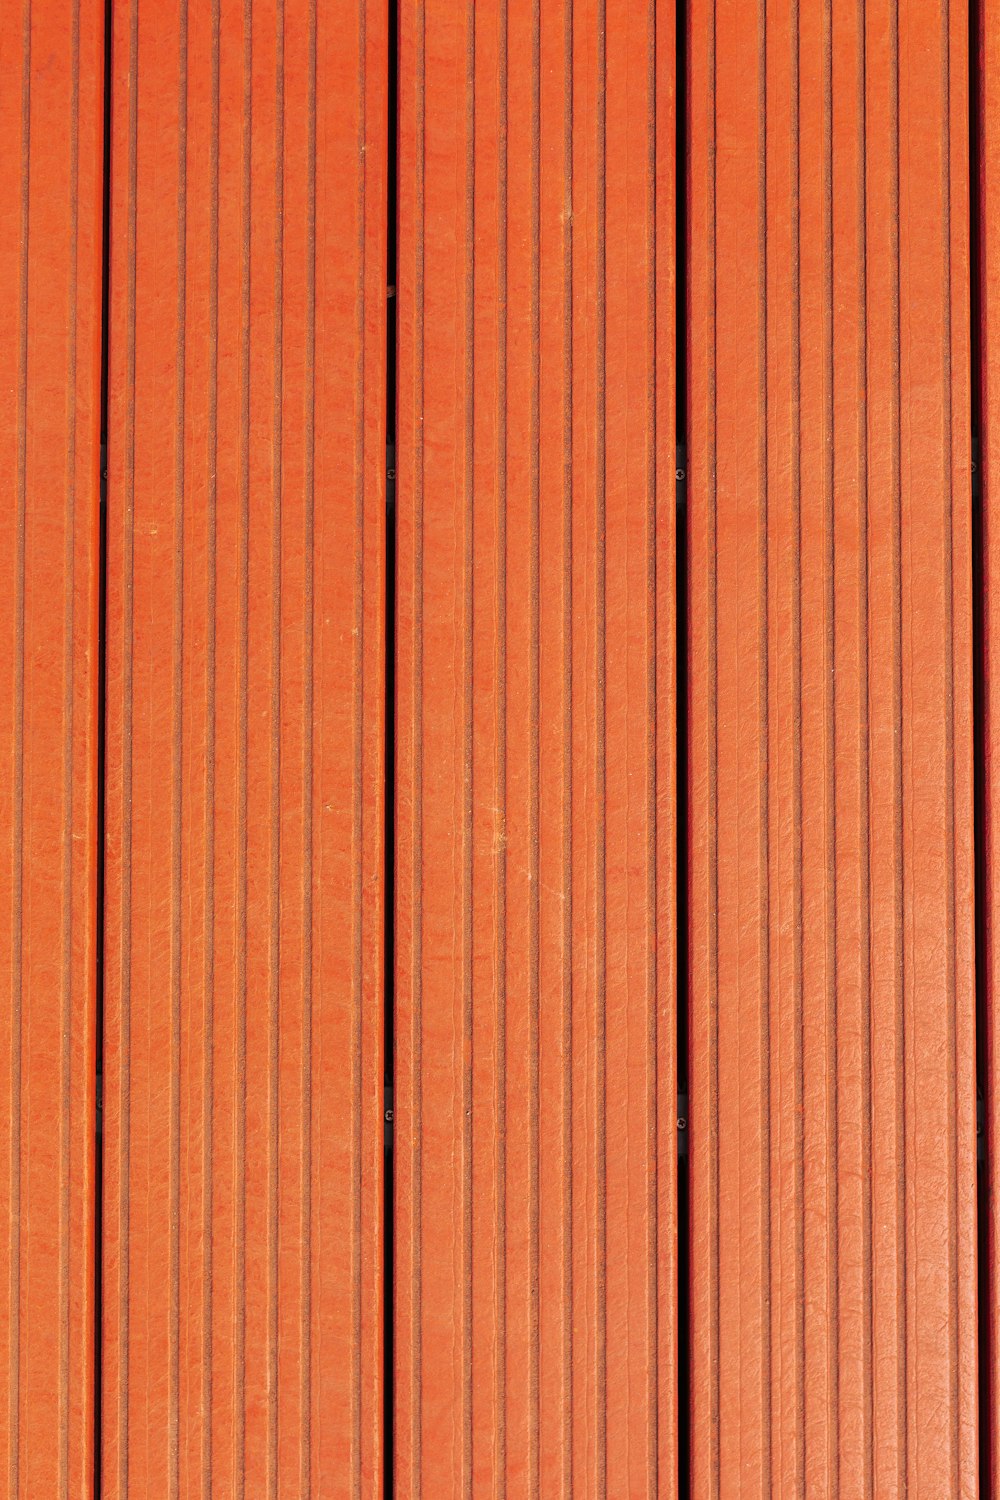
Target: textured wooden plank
(51, 138)
(989, 287)
(246, 593)
(833, 1089)
(535, 980)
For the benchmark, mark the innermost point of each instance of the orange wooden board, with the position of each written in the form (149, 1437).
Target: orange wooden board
(535, 917)
(833, 1079)
(245, 688)
(51, 137)
(833, 1275)
(988, 65)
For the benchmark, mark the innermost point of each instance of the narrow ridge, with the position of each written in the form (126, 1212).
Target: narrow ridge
(309, 714)
(389, 763)
(902, 1041)
(128, 604)
(567, 849)
(864, 740)
(18, 829)
(535, 1455)
(420, 71)
(102, 634)
(712, 610)
(357, 956)
(66, 1066)
(830, 715)
(242, 753)
(468, 894)
(985, 1322)
(501, 728)
(274, 810)
(177, 781)
(948, 496)
(210, 747)
(765, 749)
(681, 189)
(800, 1174)
(600, 780)
(656, 500)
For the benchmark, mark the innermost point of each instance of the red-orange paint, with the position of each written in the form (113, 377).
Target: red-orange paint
(833, 1191)
(51, 113)
(833, 1274)
(989, 266)
(535, 916)
(246, 600)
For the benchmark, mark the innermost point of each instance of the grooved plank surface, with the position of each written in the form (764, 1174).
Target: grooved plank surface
(51, 138)
(245, 685)
(989, 324)
(833, 1086)
(536, 941)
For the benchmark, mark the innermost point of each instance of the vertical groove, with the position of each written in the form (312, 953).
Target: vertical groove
(125, 1046)
(830, 700)
(601, 771)
(358, 1059)
(652, 774)
(501, 720)
(308, 910)
(800, 1186)
(468, 897)
(864, 739)
(948, 500)
(18, 829)
(390, 1302)
(680, 1287)
(177, 782)
(981, 69)
(567, 849)
(652, 745)
(900, 893)
(67, 935)
(763, 688)
(715, 1421)
(210, 716)
(418, 759)
(535, 945)
(274, 856)
(243, 635)
(910, 877)
(101, 1301)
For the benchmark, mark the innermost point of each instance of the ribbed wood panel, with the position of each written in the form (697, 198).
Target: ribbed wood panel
(245, 686)
(833, 1087)
(536, 958)
(51, 138)
(989, 373)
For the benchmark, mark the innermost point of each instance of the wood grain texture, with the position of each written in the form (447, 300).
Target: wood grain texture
(833, 1080)
(988, 73)
(51, 138)
(535, 918)
(245, 781)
